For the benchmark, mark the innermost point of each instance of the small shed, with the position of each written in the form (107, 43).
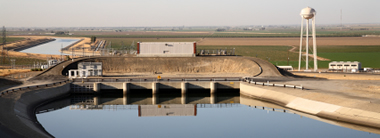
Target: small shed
(86, 69)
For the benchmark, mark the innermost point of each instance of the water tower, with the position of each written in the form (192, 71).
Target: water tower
(306, 14)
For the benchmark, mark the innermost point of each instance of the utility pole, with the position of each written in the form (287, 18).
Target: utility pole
(4, 42)
(61, 52)
(72, 53)
(341, 18)
(288, 57)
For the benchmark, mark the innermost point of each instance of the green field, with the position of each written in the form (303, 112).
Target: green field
(10, 39)
(369, 56)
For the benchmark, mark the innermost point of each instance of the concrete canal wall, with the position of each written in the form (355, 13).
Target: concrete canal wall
(321, 109)
(32, 44)
(18, 109)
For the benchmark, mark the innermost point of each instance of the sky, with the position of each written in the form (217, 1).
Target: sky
(151, 13)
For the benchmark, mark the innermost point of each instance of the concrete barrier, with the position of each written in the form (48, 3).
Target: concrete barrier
(321, 109)
(18, 107)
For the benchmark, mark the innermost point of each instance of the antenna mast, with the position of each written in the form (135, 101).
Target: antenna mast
(341, 18)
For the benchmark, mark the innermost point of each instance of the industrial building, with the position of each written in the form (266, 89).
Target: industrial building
(86, 69)
(345, 66)
(167, 110)
(166, 49)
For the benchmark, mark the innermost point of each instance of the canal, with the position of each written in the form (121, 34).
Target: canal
(52, 47)
(232, 115)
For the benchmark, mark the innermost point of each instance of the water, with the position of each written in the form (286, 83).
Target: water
(232, 116)
(51, 47)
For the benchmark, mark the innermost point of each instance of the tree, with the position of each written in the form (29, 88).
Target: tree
(93, 39)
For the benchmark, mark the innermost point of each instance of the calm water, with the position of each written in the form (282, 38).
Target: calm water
(52, 47)
(232, 116)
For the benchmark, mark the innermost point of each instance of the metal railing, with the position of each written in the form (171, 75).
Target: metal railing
(33, 87)
(150, 79)
(250, 81)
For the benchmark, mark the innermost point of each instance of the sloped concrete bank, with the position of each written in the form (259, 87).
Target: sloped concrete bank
(18, 117)
(317, 108)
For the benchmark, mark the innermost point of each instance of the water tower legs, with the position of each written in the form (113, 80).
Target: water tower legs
(314, 46)
(300, 53)
(307, 44)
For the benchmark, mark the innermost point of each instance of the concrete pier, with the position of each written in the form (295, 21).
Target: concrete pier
(125, 98)
(212, 98)
(183, 98)
(96, 87)
(212, 87)
(183, 87)
(154, 99)
(96, 100)
(128, 86)
(154, 88)
(125, 88)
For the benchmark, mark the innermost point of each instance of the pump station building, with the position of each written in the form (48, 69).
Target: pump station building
(166, 49)
(345, 66)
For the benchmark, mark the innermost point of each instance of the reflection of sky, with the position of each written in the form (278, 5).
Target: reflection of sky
(242, 121)
(51, 47)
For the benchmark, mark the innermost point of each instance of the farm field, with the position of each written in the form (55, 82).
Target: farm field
(275, 50)
(117, 42)
(11, 39)
(288, 41)
(278, 54)
(212, 33)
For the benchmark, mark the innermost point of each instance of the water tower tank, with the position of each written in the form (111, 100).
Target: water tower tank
(308, 13)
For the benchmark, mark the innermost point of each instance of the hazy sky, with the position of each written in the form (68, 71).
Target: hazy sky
(126, 13)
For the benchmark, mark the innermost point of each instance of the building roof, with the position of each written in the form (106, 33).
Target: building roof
(166, 42)
(344, 62)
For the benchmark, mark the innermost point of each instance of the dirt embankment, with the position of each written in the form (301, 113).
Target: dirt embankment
(181, 65)
(212, 66)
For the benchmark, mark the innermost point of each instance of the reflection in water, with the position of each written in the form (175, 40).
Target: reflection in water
(222, 115)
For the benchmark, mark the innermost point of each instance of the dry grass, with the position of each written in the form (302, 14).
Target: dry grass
(321, 41)
(5, 72)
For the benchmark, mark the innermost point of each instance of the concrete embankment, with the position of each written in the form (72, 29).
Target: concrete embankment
(17, 116)
(298, 100)
(31, 44)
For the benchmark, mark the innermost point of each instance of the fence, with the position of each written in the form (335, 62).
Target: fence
(32, 87)
(250, 81)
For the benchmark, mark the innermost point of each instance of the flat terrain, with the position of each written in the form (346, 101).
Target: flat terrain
(5, 72)
(321, 41)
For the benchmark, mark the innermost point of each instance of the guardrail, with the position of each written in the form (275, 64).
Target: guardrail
(273, 84)
(150, 79)
(32, 87)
